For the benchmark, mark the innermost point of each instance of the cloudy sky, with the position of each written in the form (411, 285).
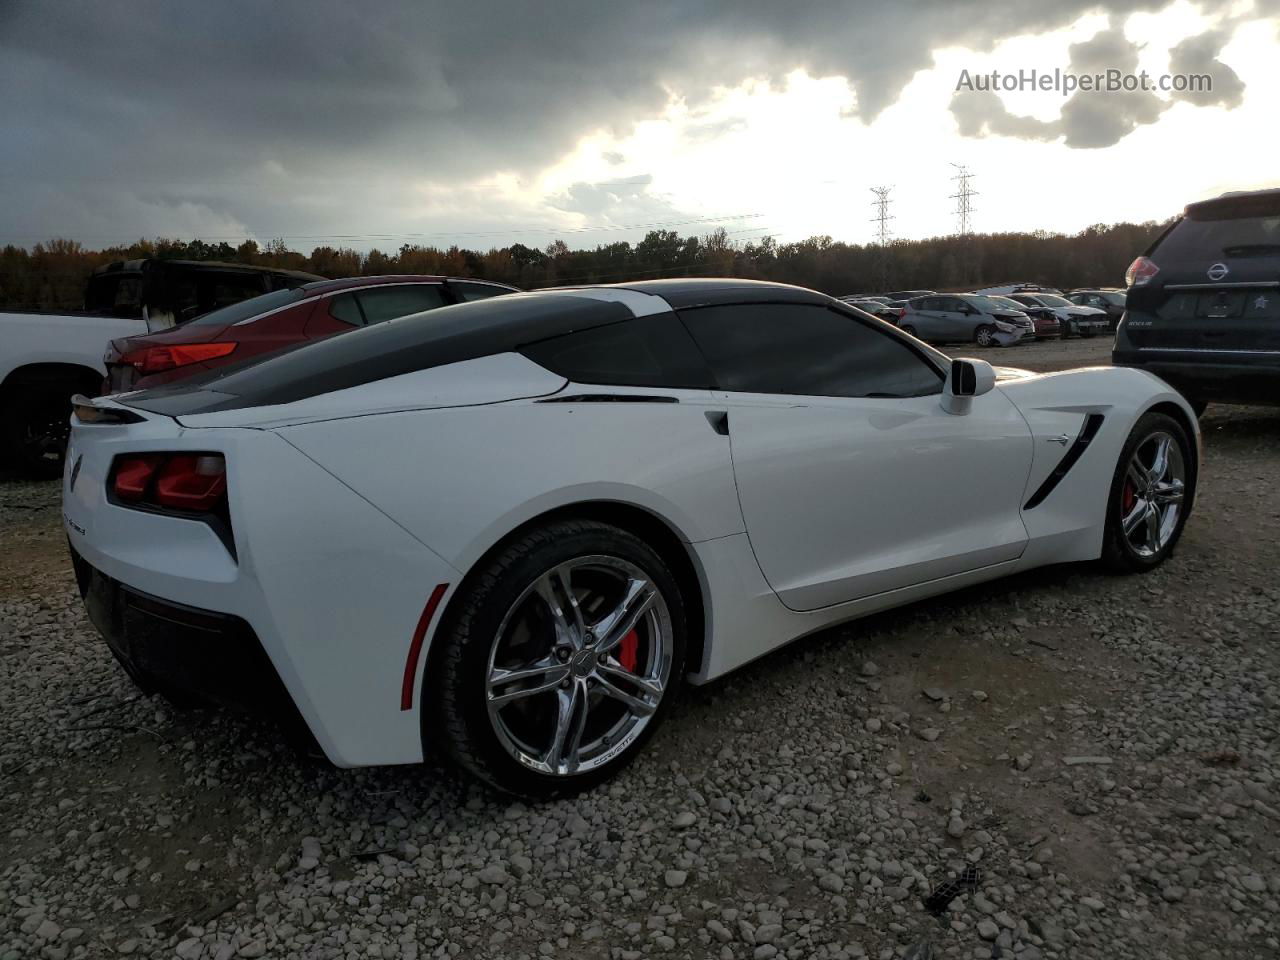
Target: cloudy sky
(488, 123)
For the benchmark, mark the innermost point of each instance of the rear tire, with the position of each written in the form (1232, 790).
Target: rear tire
(909, 330)
(1145, 480)
(35, 426)
(566, 725)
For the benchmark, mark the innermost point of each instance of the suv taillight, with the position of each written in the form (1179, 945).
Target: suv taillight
(191, 482)
(1140, 272)
(158, 359)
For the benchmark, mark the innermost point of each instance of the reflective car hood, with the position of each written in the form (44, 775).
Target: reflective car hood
(1013, 373)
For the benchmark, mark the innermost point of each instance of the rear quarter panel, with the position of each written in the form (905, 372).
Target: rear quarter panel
(460, 479)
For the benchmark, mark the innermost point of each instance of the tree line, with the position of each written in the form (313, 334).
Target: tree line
(52, 275)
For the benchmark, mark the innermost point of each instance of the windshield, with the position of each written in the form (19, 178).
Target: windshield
(1006, 303)
(247, 308)
(989, 304)
(1049, 300)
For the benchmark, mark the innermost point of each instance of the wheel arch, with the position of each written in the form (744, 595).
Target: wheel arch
(49, 374)
(657, 531)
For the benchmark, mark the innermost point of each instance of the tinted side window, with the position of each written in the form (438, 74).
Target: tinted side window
(806, 350)
(467, 292)
(926, 303)
(344, 307)
(388, 303)
(653, 351)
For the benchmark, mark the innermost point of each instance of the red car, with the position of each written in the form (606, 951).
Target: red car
(258, 326)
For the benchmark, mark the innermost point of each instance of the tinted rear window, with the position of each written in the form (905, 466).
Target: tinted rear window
(1243, 227)
(248, 308)
(654, 351)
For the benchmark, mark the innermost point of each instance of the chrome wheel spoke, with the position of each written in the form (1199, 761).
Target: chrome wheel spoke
(638, 598)
(1135, 517)
(564, 611)
(637, 705)
(1160, 463)
(610, 670)
(571, 718)
(549, 674)
(1138, 475)
(1169, 492)
(1153, 525)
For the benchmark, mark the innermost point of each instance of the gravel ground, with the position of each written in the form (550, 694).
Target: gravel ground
(1101, 749)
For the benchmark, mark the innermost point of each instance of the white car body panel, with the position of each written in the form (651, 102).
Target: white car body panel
(79, 340)
(350, 508)
(848, 466)
(556, 454)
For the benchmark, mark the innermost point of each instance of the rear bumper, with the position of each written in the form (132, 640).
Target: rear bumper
(184, 651)
(1216, 378)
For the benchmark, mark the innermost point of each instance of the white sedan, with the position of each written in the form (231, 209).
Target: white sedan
(514, 527)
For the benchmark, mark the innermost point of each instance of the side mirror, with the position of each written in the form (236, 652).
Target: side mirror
(967, 379)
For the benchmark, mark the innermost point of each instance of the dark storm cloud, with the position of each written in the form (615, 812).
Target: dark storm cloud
(303, 118)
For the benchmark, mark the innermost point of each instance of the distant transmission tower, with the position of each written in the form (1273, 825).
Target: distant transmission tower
(964, 212)
(883, 235)
(964, 199)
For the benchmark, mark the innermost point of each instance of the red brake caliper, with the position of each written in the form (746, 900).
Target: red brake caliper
(1127, 497)
(627, 651)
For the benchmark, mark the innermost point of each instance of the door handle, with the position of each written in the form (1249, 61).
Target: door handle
(719, 420)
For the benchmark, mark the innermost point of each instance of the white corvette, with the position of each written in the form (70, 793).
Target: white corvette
(513, 527)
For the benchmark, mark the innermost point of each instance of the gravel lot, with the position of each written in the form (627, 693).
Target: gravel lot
(1102, 749)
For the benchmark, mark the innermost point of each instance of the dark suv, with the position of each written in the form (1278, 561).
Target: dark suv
(1203, 308)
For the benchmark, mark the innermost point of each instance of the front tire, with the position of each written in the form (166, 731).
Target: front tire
(558, 659)
(985, 335)
(1151, 494)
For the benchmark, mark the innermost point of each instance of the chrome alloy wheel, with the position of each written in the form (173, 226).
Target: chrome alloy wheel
(1151, 496)
(579, 665)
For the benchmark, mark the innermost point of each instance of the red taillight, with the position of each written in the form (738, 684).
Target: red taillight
(133, 476)
(171, 356)
(194, 482)
(1140, 272)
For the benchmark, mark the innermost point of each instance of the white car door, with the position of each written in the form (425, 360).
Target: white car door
(852, 479)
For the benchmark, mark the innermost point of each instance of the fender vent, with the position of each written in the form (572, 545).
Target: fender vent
(1092, 424)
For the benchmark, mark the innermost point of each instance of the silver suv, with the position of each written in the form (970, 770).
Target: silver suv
(966, 317)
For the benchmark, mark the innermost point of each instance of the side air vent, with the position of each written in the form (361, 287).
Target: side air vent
(1092, 424)
(609, 398)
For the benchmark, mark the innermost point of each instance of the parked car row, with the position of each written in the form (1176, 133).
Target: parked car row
(996, 316)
